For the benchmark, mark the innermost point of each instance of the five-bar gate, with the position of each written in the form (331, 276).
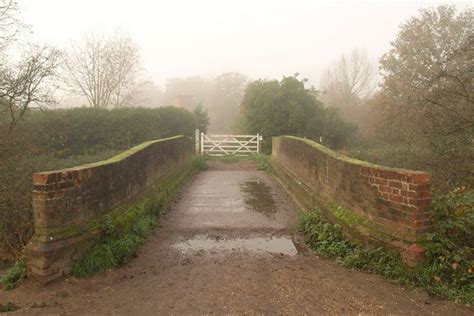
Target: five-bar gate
(230, 145)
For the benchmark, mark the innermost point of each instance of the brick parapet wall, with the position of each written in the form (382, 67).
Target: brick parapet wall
(67, 203)
(393, 203)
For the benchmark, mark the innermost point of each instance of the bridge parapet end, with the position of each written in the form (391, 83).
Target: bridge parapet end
(375, 204)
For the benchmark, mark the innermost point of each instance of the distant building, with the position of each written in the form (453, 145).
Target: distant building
(185, 101)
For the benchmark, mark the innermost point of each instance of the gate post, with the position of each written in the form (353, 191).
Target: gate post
(258, 143)
(202, 143)
(196, 140)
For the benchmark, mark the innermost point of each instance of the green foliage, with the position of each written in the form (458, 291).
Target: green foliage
(116, 249)
(334, 131)
(115, 252)
(226, 159)
(9, 307)
(14, 276)
(447, 270)
(450, 247)
(287, 107)
(200, 163)
(425, 99)
(80, 131)
(263, 162)
(99, 259)
(447, 175)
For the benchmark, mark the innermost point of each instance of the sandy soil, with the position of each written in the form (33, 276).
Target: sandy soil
(228, 245)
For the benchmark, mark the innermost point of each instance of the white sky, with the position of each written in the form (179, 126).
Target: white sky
(206, 37)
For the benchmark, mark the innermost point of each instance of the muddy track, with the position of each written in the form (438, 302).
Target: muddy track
(228, 245)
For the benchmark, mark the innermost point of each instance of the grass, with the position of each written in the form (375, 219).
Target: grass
(263, 162)
(114, 252)
(14, 275)
(328, 241)
(225, 159)
(9, 307)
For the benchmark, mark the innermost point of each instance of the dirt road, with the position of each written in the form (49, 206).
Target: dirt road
(228, 245)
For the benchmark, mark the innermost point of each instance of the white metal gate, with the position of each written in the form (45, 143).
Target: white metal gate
(230, 145)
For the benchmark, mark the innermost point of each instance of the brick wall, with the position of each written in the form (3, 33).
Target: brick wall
(68, 204)
(385, 205)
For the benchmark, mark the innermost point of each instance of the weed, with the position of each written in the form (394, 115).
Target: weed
(9, 307)
(14, 276)
(99, 259)
(200, 163)
(225, 159)
(263, 162)
(446, 278)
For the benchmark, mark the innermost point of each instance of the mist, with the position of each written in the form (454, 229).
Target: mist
(319, 128)
(263, 39)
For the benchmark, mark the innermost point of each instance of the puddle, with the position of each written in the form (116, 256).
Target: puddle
(258, 196)
(272, 245)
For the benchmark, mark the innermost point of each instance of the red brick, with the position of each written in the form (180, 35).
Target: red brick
(375, 172)
(395, 184)
(412, 194)
(381, 181)
(402, 177)
(396, 198)
(385, 189)
(415, 252)
(421, 178)
(419, 187)
(43, 178)
(364, 171)
(423, 194)
(419, 202)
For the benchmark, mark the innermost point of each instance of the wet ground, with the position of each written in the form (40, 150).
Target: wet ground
(228, 246)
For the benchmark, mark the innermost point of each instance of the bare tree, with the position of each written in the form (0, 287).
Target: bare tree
(103, 69)
(25, 83)
(349, 82)
(10, 25)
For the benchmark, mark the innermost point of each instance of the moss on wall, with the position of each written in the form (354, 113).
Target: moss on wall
(344, 158)
(117, 158)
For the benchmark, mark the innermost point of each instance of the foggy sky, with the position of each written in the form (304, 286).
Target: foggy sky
(260, 38)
